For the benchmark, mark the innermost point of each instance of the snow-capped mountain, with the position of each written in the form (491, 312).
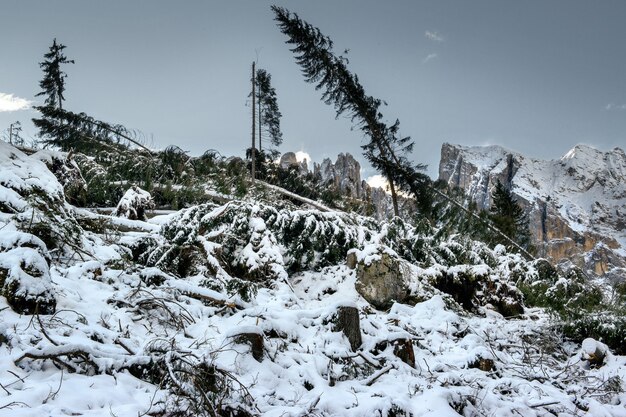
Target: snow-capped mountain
(576, 204)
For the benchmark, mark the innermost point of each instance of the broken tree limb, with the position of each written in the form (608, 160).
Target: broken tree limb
(369, 381)
(296, 197)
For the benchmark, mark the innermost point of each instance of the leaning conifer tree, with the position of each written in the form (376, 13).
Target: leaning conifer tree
(53, 82)
(78, 131)
(386, 150)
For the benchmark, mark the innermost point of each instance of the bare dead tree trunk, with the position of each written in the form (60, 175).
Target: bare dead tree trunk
(260, 125)
(253, 152)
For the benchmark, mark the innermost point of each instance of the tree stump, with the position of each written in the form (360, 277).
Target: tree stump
(251, 336)
(348, 322)
(594, 352)
(402, 348)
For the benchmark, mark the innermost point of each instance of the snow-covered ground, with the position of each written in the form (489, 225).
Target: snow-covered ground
(127, 339)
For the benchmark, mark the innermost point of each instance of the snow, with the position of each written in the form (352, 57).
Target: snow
(134, 203)
(112, 313)
(21, 172)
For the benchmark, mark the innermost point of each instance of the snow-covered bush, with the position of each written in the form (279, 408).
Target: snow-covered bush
(244, 242)
(134, 204)
(24, 274)
(581, 305)
(32, 200)
(67, 172)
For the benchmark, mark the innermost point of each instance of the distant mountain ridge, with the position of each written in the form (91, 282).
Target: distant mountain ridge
(344, 175)
(576, 204)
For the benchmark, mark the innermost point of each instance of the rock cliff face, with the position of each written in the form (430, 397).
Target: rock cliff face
(345, 176)
(576, 205)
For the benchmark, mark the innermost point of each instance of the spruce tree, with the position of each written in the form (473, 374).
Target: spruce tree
(53, 82)
(386, 150)
(268, 112)
(509, 217)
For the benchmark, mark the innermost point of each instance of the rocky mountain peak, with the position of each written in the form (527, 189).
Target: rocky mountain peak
(576, 204)
(344, 174)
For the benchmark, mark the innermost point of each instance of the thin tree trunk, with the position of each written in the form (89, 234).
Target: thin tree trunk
(394, 196)
(260, 124)
(392, 187)
(11, 134)
(253, 123)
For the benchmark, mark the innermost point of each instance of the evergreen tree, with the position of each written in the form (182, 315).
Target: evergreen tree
(53, 82)
(80, 132)
(509, 217)
(386, 150)
(267, 112)
(13, 134)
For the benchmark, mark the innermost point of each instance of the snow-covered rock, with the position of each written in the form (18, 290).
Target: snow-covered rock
(382, 278)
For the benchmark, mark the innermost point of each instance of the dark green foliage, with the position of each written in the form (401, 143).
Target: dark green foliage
(53, 82)
(608, 326)
(387, 150)
(79, 132)
(579, 304)
(268, 113)
(509, 217)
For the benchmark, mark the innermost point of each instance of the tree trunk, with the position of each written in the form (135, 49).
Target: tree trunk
(392, 187)
(253, 152)
(260, 124)
(348, 322)
(394, 197)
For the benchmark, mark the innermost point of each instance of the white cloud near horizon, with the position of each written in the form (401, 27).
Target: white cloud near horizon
(612, 106)
(429, 57)
(378, 181)
(8, 102)
(303, 156)
(433, 36)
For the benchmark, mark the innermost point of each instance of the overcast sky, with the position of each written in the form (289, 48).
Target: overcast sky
(534, 76)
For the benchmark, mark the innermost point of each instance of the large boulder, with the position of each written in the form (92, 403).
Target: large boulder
(381, 277)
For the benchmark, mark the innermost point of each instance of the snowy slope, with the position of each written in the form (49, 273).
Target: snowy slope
(126, 338)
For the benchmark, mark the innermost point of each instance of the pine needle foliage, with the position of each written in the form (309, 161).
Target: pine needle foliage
(79, 132)
(53, 83)
(269, 114)
(386, 150)
(509, 217)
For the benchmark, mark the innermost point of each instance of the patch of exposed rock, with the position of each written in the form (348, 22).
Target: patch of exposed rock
(344, 176)
(381, 281)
